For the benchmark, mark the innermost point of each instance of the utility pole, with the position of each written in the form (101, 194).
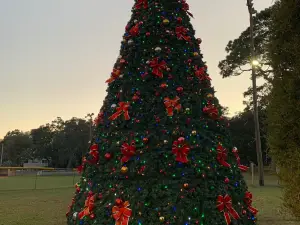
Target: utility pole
(89, 116)
(254, 64)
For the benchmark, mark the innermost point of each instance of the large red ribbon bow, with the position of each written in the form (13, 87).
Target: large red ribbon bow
(248, 201)
(224, 204)
(88, 207)
(186, 7)
(181, 150)
(222, 156)
(141, 4)
(114, 75)
(134, 30)
(238, 159)
(172, 104)
(121, 213)
(122, 109)
(201, 73)
(94, 153)
(128, 151)
(181, 33)
(158, 67)
(211, 110)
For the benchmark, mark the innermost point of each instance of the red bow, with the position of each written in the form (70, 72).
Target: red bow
(88, 207)
(224, 204)
(201, 73)
(94, 153)
(222, 156)
(211, 110)
(121, 213)
(122, 109)
(238, 159)
(141, 3)
(99, 118)
(134, 30)
(128, 151)
(181, 33)
(248, 201)
(80, 168)
(114, 75)
(158, 67)
(186, 7)
(181, 150)
(172, 105)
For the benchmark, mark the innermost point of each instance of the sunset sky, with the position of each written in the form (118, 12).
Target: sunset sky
(55, 55)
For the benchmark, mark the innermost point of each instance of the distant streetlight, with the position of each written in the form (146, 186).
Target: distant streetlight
(255, 62)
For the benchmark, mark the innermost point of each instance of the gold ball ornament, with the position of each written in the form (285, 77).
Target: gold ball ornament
(166, 21)
(161, 219)
(195, 53)
(210, 95)
(194, 132)
(186, 185)
(124, 169)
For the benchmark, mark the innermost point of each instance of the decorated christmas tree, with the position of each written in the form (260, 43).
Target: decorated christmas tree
(161, 152)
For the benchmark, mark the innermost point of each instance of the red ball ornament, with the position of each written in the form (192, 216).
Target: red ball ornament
(179, 89)
(135, 97)
(226, 180)
(244, 212)
(145, 140)
(118, 201)
(181, 139)
(107, 156)
(92, 216)
(148, 34)
(179, 19)
(163, 85)
(170, 77)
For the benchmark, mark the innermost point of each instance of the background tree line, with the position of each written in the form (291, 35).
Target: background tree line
(63, 143)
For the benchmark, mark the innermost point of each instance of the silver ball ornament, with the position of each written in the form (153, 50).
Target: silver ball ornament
(130, 42)
(157, 49)
(113, 106)
(75, 215)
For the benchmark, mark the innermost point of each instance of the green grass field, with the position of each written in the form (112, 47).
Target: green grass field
(48, 203)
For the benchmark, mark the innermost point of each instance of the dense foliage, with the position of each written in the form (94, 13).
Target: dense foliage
(243, 136)
(61, 143)
(284, 108)
(161, 153)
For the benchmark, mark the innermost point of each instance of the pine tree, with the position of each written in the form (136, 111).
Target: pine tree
(161, 153)
(284, 109)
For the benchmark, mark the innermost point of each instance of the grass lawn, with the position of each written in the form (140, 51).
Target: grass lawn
(48, 207)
